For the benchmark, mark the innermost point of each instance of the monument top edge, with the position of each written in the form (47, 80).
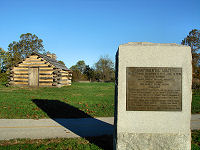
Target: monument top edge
(151, 44)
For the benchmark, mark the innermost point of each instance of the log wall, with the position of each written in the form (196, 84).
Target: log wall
(66, 77)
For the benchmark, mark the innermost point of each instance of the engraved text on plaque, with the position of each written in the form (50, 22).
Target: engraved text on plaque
(153, 89)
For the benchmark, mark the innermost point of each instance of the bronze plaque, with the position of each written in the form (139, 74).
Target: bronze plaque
(153, 89)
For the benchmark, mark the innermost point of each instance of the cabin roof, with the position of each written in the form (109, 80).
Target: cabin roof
(52, 61)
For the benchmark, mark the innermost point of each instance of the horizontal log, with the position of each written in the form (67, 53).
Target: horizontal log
(25, 74)
(45, 81)
(18, 84)
(46, 77)
(49, 75)
(20, 74)
(45, 73)
(64, 72)
(14, 83)
(45, 84)
(25, 77)
(21, 81)
(20, 77)
(51, 80)
(22, 85)
(33, 65)
(20, 70)
(64, 80)
(32, 60)
(50, 68)
(33, 56)
(46, 69)
(69, 78)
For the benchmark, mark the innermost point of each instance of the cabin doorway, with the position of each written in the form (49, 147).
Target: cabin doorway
(33, 78)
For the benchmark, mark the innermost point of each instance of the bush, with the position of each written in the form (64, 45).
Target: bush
(195, 83)
(3, 77)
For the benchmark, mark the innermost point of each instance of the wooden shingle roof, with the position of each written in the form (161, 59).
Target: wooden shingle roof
(52, 61)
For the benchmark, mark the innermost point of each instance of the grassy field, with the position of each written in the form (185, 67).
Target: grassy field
(196, 102)
(78, 100)
(92, 143)
(196, 140)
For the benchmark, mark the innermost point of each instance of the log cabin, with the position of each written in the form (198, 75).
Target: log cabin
(40, 70)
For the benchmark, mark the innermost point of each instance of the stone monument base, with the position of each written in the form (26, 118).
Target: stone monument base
(153, 141)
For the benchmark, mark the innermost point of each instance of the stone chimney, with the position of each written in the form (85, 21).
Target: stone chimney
(52, 56)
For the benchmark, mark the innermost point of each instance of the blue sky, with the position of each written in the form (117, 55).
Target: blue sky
(87, 29)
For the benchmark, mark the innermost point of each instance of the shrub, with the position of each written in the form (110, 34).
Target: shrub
(3, 77)
(195, 83)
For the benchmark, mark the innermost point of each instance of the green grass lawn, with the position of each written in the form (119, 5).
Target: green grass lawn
(77, 100)
(84, 99)
(196, 140)
(196, 102)
(92, 143)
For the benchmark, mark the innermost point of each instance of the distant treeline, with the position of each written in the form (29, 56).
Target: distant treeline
(103, 70)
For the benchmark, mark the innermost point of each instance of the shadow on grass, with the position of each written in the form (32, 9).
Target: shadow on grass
(78, 122)
(58, 109)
